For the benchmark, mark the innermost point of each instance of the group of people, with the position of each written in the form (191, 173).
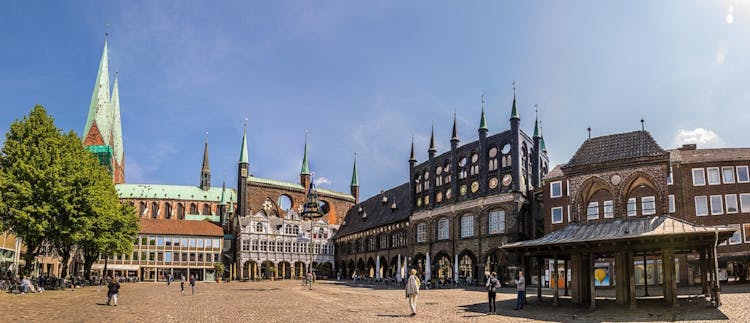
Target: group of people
(413, 284)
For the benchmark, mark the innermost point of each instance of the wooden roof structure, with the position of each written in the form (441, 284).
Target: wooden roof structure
(642, 234)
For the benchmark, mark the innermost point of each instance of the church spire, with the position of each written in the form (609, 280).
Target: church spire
(482, 120)
(412, 158)
(243, 149)
(205, 170)
(116, 136)
(305, 166)
(536, 124)
(100, 114)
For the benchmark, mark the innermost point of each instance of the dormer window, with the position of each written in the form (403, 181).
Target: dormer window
(393, 206)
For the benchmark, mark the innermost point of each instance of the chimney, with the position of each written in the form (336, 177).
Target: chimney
(688, 147)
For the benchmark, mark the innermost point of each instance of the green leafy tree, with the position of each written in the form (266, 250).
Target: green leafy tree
(33, 181)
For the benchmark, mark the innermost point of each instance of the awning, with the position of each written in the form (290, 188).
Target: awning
(115, 267)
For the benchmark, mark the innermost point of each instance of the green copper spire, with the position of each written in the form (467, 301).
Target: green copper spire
(223, 200)
(305, 166)
(231, 205)
(355, 176)
(99, 110)
(482, 121)
(243, 149)
(542, 146)
(514, 111)
(116, 124)
(536, 128)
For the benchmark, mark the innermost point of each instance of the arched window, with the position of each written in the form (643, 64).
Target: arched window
(206, 209)
(426, 181)
(154, 210)
(462, 168)
(418, 184)
(474, 170)
(142, 208)
(465, 267)
(447, 171)
(193, 208)
(442, 229)
(421, 232)
(492, 162)
(438, 177)
(168, 210)
(180, 211)
(467, 226)
(259, 227)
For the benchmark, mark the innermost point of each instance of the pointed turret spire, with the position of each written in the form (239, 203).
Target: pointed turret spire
(116, 135)
(542, 146)
(514, 109)
(305, 166)
(205, 170)
(536, 124)
(100, 113)
(454, 135)
(482, 120)
(411, 155)
(432, 140)
(355, 176)
(223, 200)
(243, 149)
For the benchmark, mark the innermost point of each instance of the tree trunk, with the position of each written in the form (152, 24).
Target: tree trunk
(106, 260)
(28, 257)
(65, 255)
(88, 261)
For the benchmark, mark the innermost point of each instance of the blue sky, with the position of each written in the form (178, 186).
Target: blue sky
(364, 76)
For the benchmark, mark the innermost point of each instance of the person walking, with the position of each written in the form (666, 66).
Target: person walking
(192, 284)
(113, 289)
(182, 284)
(169, 279)
(492, 284)
(310, 279)
(521, 289)
(412, 290)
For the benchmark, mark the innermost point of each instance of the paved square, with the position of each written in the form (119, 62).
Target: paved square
(289, 301)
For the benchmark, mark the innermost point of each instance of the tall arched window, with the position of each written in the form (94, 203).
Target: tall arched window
(421, 232)
(467, 225)
(154, 210)
(443, 228)
(193, 208)
(462, 168)
(206, 209)
(474, 170)
(447, 171)
(180, 211)
(168, 210)
(142, 208)
(426, 181)
(492, 163)
(418, 184)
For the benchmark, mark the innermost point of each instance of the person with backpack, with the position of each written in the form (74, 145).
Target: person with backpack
(492, 284)
(192, 284)
(113, 289)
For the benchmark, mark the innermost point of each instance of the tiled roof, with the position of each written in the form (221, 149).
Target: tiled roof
(298, 187)
(180, 227)
(616, 147)
(378, 213)
(172, 192)
(554, 173)
(709, 155)
(630, 228)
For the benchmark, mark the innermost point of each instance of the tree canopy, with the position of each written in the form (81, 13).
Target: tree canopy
(56, 194)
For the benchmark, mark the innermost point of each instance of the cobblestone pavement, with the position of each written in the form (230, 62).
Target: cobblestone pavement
(289, 301)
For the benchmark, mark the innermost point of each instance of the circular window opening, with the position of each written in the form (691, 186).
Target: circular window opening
(285, 202)
(462, 162)
(506, 149)
(474, 158)
(438, 170)
(324, 207)
(426, 175)
(493, 152)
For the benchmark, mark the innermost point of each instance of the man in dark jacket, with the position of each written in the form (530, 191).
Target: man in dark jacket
(112, 290)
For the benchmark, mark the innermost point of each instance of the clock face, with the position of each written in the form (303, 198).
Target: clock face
(427, 200)
(462, 190)
(448, 194)
(419, 202)
(507, 179)
(439, 197)
(474, 187)
(493, 182)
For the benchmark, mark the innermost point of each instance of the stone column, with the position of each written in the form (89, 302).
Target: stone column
(631, 279)
(565, 276)
(703, 267)
(575, 274)
(592, 279)
(556, 299)
(670, 284)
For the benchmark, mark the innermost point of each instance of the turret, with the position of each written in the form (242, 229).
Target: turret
(431, 169)
(536, 174)
(483, 159)
(412, 175)
(515, 144)
(304, 173)
(205, 170)
(454, 134)
(354, 186)
(243, 167)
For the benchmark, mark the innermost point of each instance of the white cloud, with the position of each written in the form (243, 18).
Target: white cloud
(322, 180)
(704, 138)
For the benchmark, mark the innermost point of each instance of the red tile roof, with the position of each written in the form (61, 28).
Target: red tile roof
(180, 227)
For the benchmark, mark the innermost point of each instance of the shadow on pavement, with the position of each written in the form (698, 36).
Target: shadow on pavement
(649, 310)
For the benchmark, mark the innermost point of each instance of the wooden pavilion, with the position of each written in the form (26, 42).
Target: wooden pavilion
(624, 239)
